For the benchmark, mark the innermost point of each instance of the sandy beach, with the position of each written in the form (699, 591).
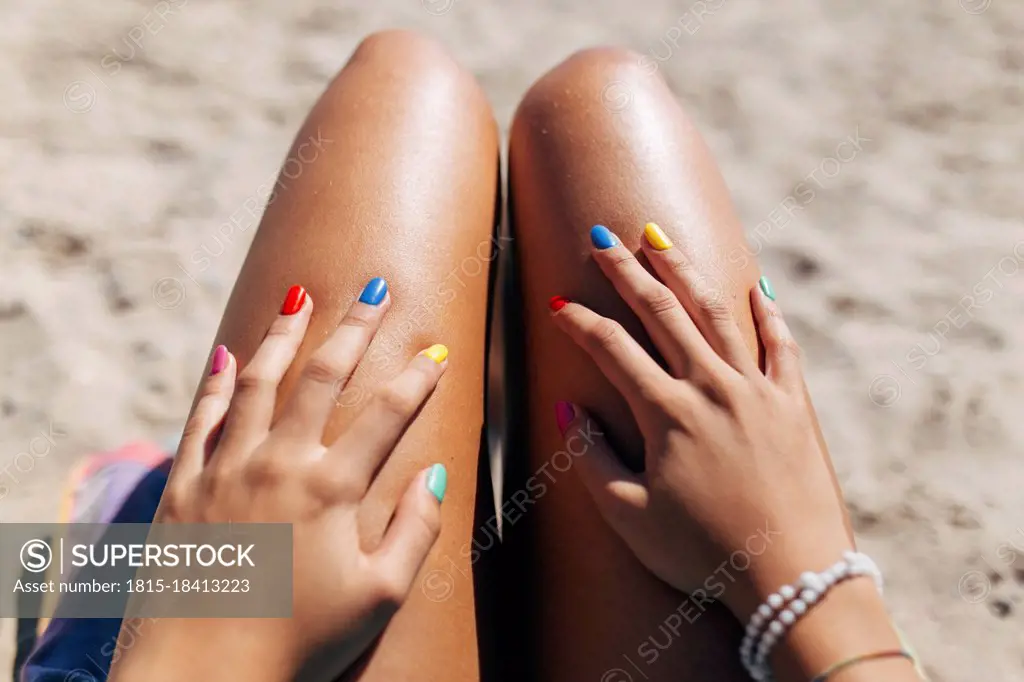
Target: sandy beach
(874, 150)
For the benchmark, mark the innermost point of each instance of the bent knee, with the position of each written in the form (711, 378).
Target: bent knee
(602, 62)
(408, 79)
(403, 48)
(597, 82)
(412, 58)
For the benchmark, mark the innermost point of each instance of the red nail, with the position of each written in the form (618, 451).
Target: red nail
(220, 360)
(558, 302)
(564, 414)
(294, 300)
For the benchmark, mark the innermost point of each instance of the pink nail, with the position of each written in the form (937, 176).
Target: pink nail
(564, 414)
(220, 360)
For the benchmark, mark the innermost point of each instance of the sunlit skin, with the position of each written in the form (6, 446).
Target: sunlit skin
(406, 191)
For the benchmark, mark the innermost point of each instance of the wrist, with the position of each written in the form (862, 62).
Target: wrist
(850, 620)
(783, 564)
(158, 649)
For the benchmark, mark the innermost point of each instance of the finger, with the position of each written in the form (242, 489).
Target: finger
(197, 439)
(256, 388)
(413, 531)
(617, 354)
(663, 316)
(620, 495)
(331, 366)
(378, 428)
(704, 296)
(782, 353)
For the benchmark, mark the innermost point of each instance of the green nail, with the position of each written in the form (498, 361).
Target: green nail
(766, 287)
(437, 481)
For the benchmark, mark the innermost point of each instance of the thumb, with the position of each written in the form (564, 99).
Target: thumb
(414, 529)
(620, 495)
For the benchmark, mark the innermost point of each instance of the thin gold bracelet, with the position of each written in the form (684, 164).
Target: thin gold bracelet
(893, 653)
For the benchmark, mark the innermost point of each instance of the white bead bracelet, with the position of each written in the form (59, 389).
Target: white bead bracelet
(781, 610)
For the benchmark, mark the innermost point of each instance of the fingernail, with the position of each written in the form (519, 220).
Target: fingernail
(564, 414)
(558, 302)
(220, 360)
(766, 287)
(374, 291)
(657, 237)
(294, 300)
(438, 353)
(602, 238)
(437, 481)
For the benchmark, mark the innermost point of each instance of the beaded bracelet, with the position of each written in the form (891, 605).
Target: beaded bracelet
(894, 653)
(815, 586)
(781, 610)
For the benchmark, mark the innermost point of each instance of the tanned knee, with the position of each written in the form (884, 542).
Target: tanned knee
(597, 82)
(403, 49)
(423, 65)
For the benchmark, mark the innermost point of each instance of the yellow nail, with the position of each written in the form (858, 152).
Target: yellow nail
(438, 353)
(657, 237)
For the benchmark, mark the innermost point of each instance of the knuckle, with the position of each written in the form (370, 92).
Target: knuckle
(209, 389)
(732, 389)
(424, 377)
(677, 405)
(660, 301)
(429, 524)
(196, 427)
(280, 327)
(215, 481)
(321, 369)
(622, 260)
(359, 319)
(388, 591)
(330, 485)
(714, 306)
(253, 382)
(605, 333)
(211, 513)
(761, 387)
(787, 346)
(176, 502)
(686, 391)
(660, 397)
(265, 471)
(679, 265)
(620, 514)
(686, 400)
(398, 401)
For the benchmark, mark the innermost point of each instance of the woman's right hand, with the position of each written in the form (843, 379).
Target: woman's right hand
(737, 497)
(237, 463)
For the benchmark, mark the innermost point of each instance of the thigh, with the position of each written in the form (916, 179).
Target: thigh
(599, 141)
(394, 175)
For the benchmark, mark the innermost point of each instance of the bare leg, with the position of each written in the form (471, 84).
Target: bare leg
(599, 141)
(400, 183)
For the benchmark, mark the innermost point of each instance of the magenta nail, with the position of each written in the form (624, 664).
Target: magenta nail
(564, 414)
(220, 360)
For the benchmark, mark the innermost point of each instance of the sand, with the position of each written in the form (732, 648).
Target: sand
(132, 130)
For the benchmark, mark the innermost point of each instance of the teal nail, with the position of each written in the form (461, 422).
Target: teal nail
(766, 287)
(437, 481)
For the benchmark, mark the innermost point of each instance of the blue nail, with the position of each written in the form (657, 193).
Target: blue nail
(374, 291)
(602, 238)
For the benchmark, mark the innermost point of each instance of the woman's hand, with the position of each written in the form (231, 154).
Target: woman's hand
(737, 497)
(238, 464)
